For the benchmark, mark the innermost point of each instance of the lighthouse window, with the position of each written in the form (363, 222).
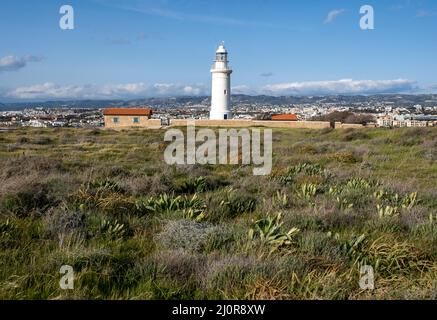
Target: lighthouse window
(226, 91)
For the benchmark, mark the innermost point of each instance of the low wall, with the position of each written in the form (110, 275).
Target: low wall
(125, 123)
(349, 125)
(251, 123)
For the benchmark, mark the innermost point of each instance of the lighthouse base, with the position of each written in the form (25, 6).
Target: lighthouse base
(220, 115)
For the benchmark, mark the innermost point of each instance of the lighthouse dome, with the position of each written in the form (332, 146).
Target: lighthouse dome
(221, 48)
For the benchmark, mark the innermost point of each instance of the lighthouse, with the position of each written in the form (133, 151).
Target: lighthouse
(221, 86)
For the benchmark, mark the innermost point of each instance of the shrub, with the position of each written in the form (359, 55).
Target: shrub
(307, 169)
(229, 203)
(355, 135)
(198, 184)
(64, 220)
(43, 141)
(104, 195)
(6, 228)
(387, 256)
(33, 198)
(185, 234)
(344, 157)
(192, 186)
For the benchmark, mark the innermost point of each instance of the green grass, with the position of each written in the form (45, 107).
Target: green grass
(133, 227)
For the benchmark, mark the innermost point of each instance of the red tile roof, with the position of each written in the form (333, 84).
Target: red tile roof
(127, 112)
(284, 117)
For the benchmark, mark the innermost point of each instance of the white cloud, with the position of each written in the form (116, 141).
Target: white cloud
(120, 41)
(333, 14)
(266, 74)
(109, 91)
(165, 12)
(13, 63)
(140, 90)
(425, 13)
(345, 86)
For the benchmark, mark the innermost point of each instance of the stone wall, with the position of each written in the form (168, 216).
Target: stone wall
(252, 123)
(348, 125)
(126, 122)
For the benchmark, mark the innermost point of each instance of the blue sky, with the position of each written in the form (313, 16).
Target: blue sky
(141, 48)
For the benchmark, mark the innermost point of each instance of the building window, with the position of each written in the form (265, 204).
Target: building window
(116, 120)
(136, 120)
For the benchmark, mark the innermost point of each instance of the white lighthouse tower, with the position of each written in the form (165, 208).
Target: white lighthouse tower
(221, 86)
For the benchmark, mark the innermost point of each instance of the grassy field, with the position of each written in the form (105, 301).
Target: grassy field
(133, 227)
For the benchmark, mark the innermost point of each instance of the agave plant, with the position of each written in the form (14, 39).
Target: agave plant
(355, 248)
(387, 211)
(334, 190)
(343, 203)
(193, 202)
(197, 185)
(381, 194)
(197, 215)
(269, 231)
(307, 191)
(106, 185)
(6, 228)
(281, 198)
(190, 206)
(309, 169)
(359, 183)
(165, 203)
(112, 229)
(409, 201)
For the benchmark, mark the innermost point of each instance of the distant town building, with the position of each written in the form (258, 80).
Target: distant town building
(400, 121)
(284, 117)
(385, 121)
(221, 86)
(126, 117)
(37, 123)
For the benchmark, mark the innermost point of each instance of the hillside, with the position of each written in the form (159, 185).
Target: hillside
(399, 100)
(133, 227)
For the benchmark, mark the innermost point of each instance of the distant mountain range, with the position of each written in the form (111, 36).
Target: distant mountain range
(400, 100)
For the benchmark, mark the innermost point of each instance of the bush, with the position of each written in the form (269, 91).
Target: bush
(43, 141)
(356, 135)
(64, 220)
(32, 199)
(185, 234)
(229, 204)
(305, 169)
(344, 157)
